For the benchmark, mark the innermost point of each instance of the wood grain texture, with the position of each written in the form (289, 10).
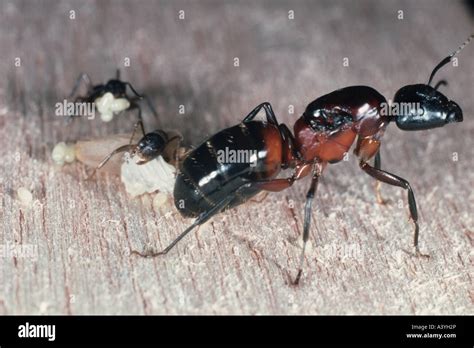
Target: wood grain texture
(81, 232)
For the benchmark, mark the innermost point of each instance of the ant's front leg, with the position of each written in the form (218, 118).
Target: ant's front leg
(139, 123)
(317, 170)
(82, 77)
(150, 106)
(70, 117)
(394, 180)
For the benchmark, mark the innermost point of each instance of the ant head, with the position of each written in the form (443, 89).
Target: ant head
(151, 145)
(422, 106)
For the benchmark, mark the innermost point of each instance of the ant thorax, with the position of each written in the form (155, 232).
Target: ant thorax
(108, 106)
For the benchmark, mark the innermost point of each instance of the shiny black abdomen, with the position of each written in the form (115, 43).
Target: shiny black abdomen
(209, 173)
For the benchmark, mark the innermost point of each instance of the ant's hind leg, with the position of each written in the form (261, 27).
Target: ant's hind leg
(202, 218)
(394, 180)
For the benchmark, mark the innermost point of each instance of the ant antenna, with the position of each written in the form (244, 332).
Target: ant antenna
(122, 148)
(448, 58)
(117, 74)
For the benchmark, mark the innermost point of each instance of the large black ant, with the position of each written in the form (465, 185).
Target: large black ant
(117, 89)
(323, 134)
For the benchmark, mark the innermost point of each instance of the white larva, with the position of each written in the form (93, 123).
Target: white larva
(108, 105)
(159, 200)
(155, 175)
(63, 153)
(25, 197)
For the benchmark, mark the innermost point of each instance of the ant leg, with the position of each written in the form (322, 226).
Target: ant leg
(377, 165)
(394, 180)
(150, 106)
(271, 118)
(69, 118)
(307, 218)
(122, 148)
(148, 102)
(289, 142)
(82, 77)
(172, 154)
(202, 218)
(133, 90)
(261, 199)
(140, 119)
(138, 123)
(177, 138)
(277, 185)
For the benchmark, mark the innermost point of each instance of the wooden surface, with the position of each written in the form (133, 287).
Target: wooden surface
(80, 233)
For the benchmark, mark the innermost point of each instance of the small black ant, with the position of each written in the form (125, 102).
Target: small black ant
(118, 89)
(323, 134)
(149, 147)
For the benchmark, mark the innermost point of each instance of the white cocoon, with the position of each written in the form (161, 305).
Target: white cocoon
(108, 105)
(155, 175)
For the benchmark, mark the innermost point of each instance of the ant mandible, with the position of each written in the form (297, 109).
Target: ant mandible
(323, 134)
(111, 98)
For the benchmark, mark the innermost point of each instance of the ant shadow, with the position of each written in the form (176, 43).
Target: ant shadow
(194, 113)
